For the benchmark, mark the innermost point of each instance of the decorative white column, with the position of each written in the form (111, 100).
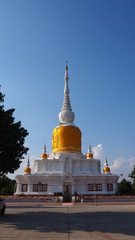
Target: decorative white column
(19, 188)
(28, 188)
(104, 188)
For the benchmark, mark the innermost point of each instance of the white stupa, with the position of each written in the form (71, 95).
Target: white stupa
(67, 171)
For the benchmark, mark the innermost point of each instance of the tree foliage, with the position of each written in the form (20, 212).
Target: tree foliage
(132, 174)
(7, 186)
(124, 187)
(133, 187)
(12, 138)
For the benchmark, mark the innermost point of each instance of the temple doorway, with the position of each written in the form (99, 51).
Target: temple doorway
(67, 196)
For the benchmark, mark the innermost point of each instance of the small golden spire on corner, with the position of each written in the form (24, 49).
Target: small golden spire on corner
(106, 168)
(89, 155)
(44, 154)
(27, 170)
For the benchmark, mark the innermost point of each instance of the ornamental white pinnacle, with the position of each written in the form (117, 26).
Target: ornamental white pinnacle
(89, 149)
(66, 102)
(106, 163)
(66, 116)
(28, 162)
(44, 150)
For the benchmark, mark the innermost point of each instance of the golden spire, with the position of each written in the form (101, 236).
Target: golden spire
(106, 168)
(27, 170)
(44, 154)
(89, 155)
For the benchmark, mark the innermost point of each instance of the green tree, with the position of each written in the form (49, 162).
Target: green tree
(7, 186)
(5, 191)
(133, 187)
(12, 138)
(132, 174)
(124, 187)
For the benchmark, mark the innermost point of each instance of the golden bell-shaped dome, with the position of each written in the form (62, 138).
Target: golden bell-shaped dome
(27, 170)
(106, 170)
(89, 155)
(66, 139)
(44, 155)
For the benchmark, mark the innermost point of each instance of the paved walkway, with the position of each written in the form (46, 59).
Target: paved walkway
(68, 222)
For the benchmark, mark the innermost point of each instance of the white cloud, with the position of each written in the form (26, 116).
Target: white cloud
(131, 162)
(99, 152)
(119, 166)
(123, 166)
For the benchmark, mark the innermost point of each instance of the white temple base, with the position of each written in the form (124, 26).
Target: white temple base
(67, 175)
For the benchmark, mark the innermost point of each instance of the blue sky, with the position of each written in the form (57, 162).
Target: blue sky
(97, 38)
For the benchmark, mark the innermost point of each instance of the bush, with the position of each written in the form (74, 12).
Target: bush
(5, 191)
(124, 187)
(133, 187)
(6, 186)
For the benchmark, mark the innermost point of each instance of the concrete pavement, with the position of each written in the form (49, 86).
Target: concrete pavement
(68, 222)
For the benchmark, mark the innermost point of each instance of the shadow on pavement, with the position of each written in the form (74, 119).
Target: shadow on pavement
(48, 221)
